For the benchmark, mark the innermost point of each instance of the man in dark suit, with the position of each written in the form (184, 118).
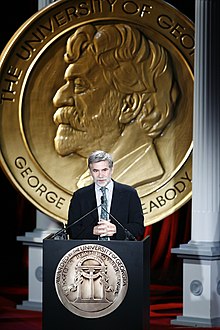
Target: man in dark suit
(123, 205)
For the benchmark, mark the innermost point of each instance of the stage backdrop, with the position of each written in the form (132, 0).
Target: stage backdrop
(18, 214)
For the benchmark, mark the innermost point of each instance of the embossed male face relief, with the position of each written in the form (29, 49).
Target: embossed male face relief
(85, 84)
(101, 173)
(87, 109)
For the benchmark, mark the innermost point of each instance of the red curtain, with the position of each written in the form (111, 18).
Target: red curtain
(164, 235)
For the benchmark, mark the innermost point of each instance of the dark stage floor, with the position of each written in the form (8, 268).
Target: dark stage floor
(165, 305)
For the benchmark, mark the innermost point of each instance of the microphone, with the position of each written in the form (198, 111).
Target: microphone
(128, 234)
(63, 230)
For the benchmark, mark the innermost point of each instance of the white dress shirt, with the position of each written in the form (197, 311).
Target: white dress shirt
(109, 191)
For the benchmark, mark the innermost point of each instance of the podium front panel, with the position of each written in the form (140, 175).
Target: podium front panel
(133, 311)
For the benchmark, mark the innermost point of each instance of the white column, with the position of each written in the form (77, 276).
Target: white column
(34, 242)
(44, 3)
(201, 256)
(206, 134)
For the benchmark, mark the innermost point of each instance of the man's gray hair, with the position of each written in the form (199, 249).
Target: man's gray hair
(98, 156)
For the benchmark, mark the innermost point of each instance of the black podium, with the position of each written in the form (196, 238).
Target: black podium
(133, 311)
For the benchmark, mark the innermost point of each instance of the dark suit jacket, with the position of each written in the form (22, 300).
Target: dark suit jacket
(125, 207)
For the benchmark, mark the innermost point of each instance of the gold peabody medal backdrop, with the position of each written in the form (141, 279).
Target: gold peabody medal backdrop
(85, 75)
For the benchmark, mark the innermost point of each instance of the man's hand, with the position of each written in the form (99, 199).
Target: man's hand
(104, 228)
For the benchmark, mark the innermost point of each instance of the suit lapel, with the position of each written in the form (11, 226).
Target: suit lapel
(91, 200)
(116, 199)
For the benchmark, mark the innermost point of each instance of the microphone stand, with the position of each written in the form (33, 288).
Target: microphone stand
(129, 236)
(63, 230)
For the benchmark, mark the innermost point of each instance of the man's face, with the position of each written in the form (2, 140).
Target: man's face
(88, 110)
(101, 173)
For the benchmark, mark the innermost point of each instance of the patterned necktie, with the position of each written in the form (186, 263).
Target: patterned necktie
(104, 214)
(104, 207)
